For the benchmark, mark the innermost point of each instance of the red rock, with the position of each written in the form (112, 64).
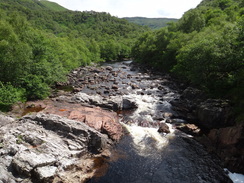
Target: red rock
(103, 121)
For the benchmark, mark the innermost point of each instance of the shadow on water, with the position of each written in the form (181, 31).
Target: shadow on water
(182, 160)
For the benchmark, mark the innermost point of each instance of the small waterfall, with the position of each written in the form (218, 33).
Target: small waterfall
(147, 140)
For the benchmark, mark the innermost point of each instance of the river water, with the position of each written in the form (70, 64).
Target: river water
(144, 155)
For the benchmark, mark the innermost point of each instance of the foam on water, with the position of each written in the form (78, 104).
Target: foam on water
(235, 177)
(148, 140)
(147, 105)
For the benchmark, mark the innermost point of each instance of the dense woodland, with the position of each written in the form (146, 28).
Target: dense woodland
(152, 23)
(205, 48)
(40, 42)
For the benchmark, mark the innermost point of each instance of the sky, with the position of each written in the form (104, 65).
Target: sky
(132, 8)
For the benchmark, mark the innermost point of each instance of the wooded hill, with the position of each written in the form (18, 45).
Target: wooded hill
(40, 42)
(153, 23)
(205, 47)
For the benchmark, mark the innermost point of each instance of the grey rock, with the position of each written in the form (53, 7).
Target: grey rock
(5, 119)
(128, 103)
(43, 145)
(24, 162)
(113, 102)
(46, 174)
(5, 176)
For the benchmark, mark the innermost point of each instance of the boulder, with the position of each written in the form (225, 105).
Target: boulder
(189, 129)
(214, 114)
(128, 103)
(163, 128)
(46, 173)
(192, 94)
(228, 144)
(5, 120)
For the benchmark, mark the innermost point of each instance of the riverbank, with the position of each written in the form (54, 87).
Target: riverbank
(143, 101)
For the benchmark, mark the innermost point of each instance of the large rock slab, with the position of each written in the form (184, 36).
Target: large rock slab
(104, 121)
(214, 113)
(113, 102)
(39, 148)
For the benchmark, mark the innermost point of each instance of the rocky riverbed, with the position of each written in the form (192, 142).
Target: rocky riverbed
(68, 138)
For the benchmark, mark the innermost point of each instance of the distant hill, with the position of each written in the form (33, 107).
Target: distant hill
(153, 23)
(34, 5)
(52, 5)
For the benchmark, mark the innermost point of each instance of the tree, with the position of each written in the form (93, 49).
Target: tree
(192, 20)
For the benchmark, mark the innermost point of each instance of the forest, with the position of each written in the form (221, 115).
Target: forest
(41, 42)
(205, 49)
(152, 23)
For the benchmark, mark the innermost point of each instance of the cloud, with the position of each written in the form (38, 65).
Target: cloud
(131, 8)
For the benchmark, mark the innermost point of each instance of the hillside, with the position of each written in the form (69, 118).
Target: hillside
(40, 43)
(153, 23)
(31, 4)
(52, 5)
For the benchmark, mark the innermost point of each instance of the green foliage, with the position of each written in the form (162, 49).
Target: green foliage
(40, 42)
(153, 23)
(209, 59)
(205, 47)
(52, 6)
(193, 20)
(35, 87)
(153, 48)
(9, 95)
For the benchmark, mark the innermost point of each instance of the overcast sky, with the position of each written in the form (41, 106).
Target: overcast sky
(132, 8)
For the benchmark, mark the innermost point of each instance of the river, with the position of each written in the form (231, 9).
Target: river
(144, 155)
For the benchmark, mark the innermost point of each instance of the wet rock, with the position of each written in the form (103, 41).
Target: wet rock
(109, 68)
(192, 94)
(168, 115)
(134, 86)
(228, 144)
(214, 114)
(115, 87)
(189, 129)
(163, 128)
(106, 92)
(128, 103)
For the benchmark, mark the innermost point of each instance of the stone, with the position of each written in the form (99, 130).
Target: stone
(163, 128)
(5, 119)
(167, 115)
(214, 114)
(228, 145)
(5, 176)
(189, 129)
(115, 87)
(192, 94)
(41, 146)
(46, 173)
(24, 162)
(128, 103)
(109, 68)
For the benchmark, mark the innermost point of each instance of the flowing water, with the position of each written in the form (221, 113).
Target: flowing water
(144, 155)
